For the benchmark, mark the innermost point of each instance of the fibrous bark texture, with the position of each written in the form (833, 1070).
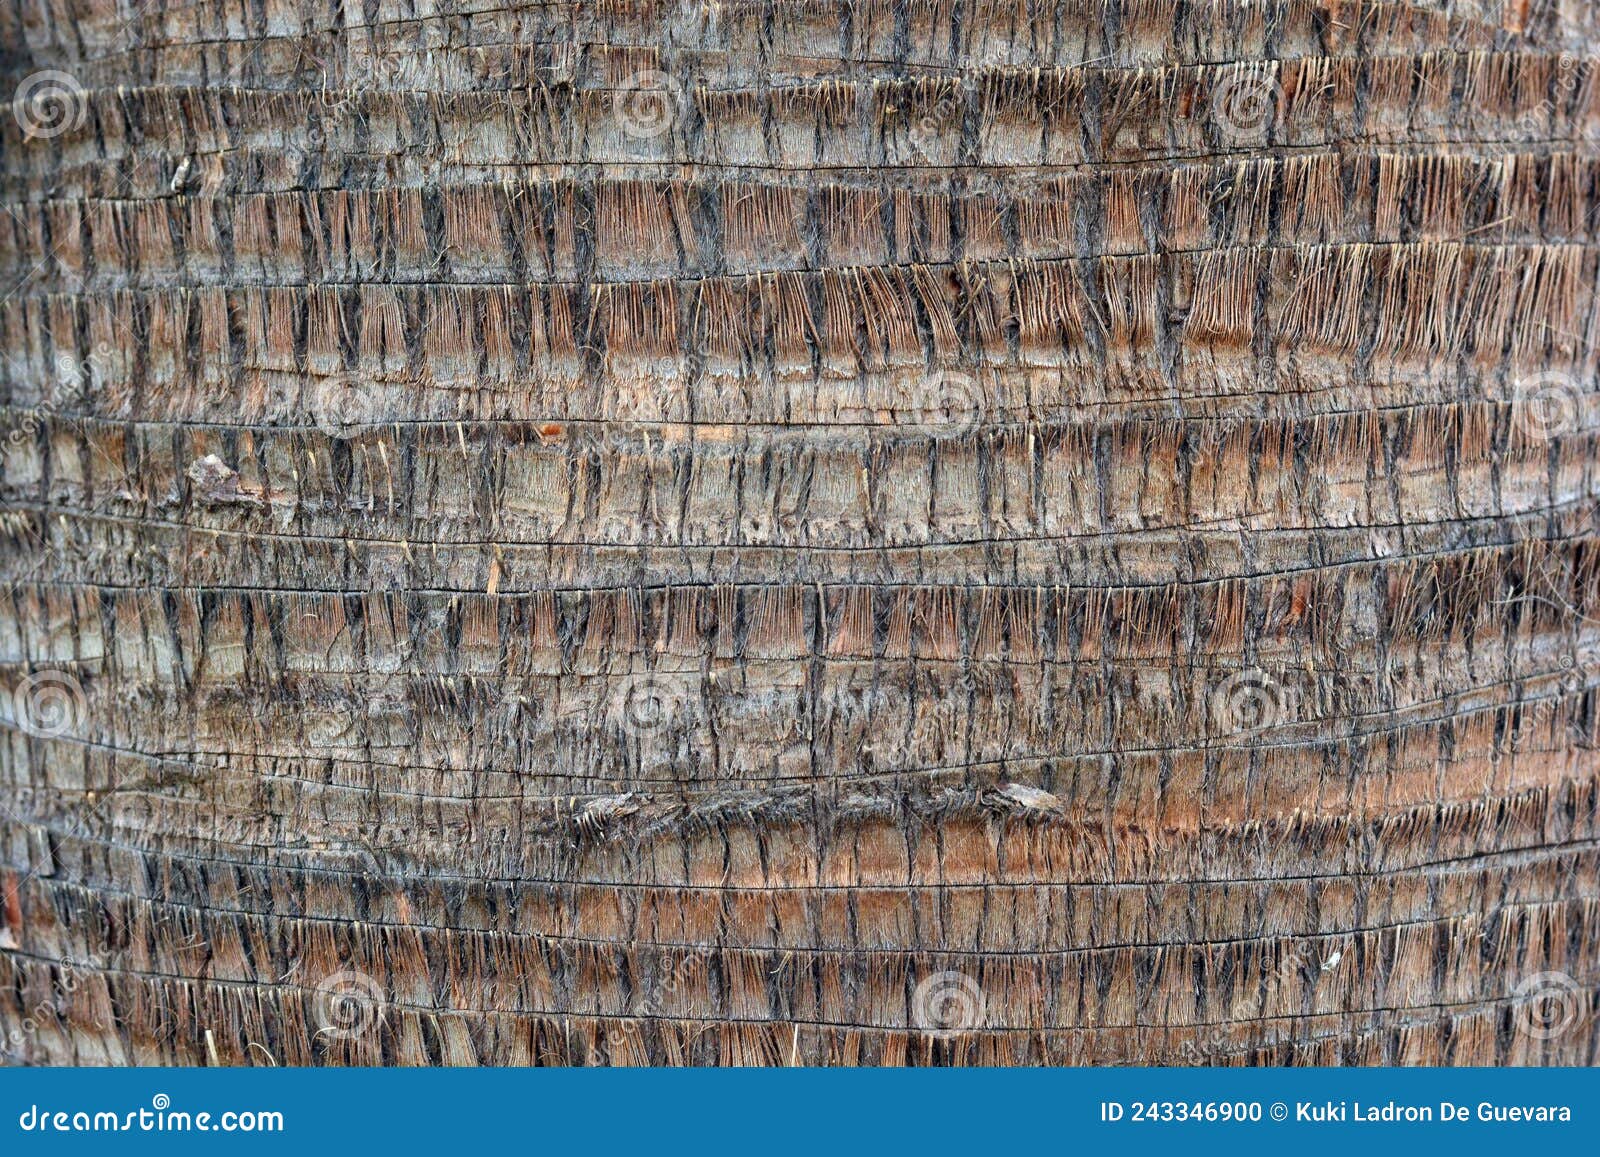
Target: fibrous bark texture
(799, 532)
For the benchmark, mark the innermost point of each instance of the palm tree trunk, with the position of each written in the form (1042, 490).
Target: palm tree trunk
(849, 532)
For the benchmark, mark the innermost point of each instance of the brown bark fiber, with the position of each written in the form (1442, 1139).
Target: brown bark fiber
(798, 532)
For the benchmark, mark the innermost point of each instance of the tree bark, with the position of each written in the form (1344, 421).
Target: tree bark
(850, 532)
